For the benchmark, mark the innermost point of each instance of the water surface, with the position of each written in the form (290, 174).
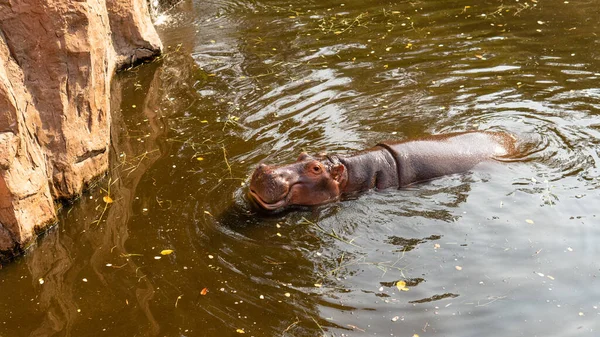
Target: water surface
(509, 249)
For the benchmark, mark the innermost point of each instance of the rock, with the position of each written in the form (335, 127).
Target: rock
(57, 58)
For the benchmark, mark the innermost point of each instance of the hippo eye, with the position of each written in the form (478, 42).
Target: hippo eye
(316, 169)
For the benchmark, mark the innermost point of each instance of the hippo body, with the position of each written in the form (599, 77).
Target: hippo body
(314, 181)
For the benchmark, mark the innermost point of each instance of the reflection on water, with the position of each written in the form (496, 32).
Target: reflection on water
(244, 82)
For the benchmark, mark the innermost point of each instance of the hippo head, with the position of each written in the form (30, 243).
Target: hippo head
(307, 182)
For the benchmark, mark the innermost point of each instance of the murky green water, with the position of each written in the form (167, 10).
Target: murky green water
(510, 249)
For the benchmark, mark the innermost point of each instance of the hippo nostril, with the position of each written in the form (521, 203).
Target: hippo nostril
(261, 170)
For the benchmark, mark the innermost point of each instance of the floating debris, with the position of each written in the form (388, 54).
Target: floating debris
(401, 285)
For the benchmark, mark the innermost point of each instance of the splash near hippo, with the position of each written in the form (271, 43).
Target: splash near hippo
(312, 181)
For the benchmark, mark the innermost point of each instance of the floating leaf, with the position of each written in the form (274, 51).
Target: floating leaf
(204, 291)
(401, 285)
(529, 221)
(166, 252)
(199, 158)
(240, 331)
(107, 199)
(458, 268)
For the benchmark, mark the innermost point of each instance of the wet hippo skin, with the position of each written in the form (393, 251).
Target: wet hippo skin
(318, 180)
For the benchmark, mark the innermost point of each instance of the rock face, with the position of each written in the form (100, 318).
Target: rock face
(57, 58)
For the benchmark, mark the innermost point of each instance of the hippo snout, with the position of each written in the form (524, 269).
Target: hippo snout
(270, 184)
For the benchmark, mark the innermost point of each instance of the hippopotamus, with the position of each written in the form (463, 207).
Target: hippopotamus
(317, 180)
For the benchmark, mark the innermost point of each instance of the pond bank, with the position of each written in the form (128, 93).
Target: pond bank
(57, 59)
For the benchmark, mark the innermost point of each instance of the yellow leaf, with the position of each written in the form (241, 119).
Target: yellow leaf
(529, 221)
(337, 32)
(199, 158)
(204, 121)
(458, 268)
(240, 331)
(107, 199)
(401, 285)
(204, 291)
(166, 252)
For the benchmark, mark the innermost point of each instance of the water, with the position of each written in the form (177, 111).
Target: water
(509, 249)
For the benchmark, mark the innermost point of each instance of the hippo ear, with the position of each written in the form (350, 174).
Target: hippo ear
(337, 172)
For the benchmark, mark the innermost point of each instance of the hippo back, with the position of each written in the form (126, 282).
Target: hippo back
(435, 156)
